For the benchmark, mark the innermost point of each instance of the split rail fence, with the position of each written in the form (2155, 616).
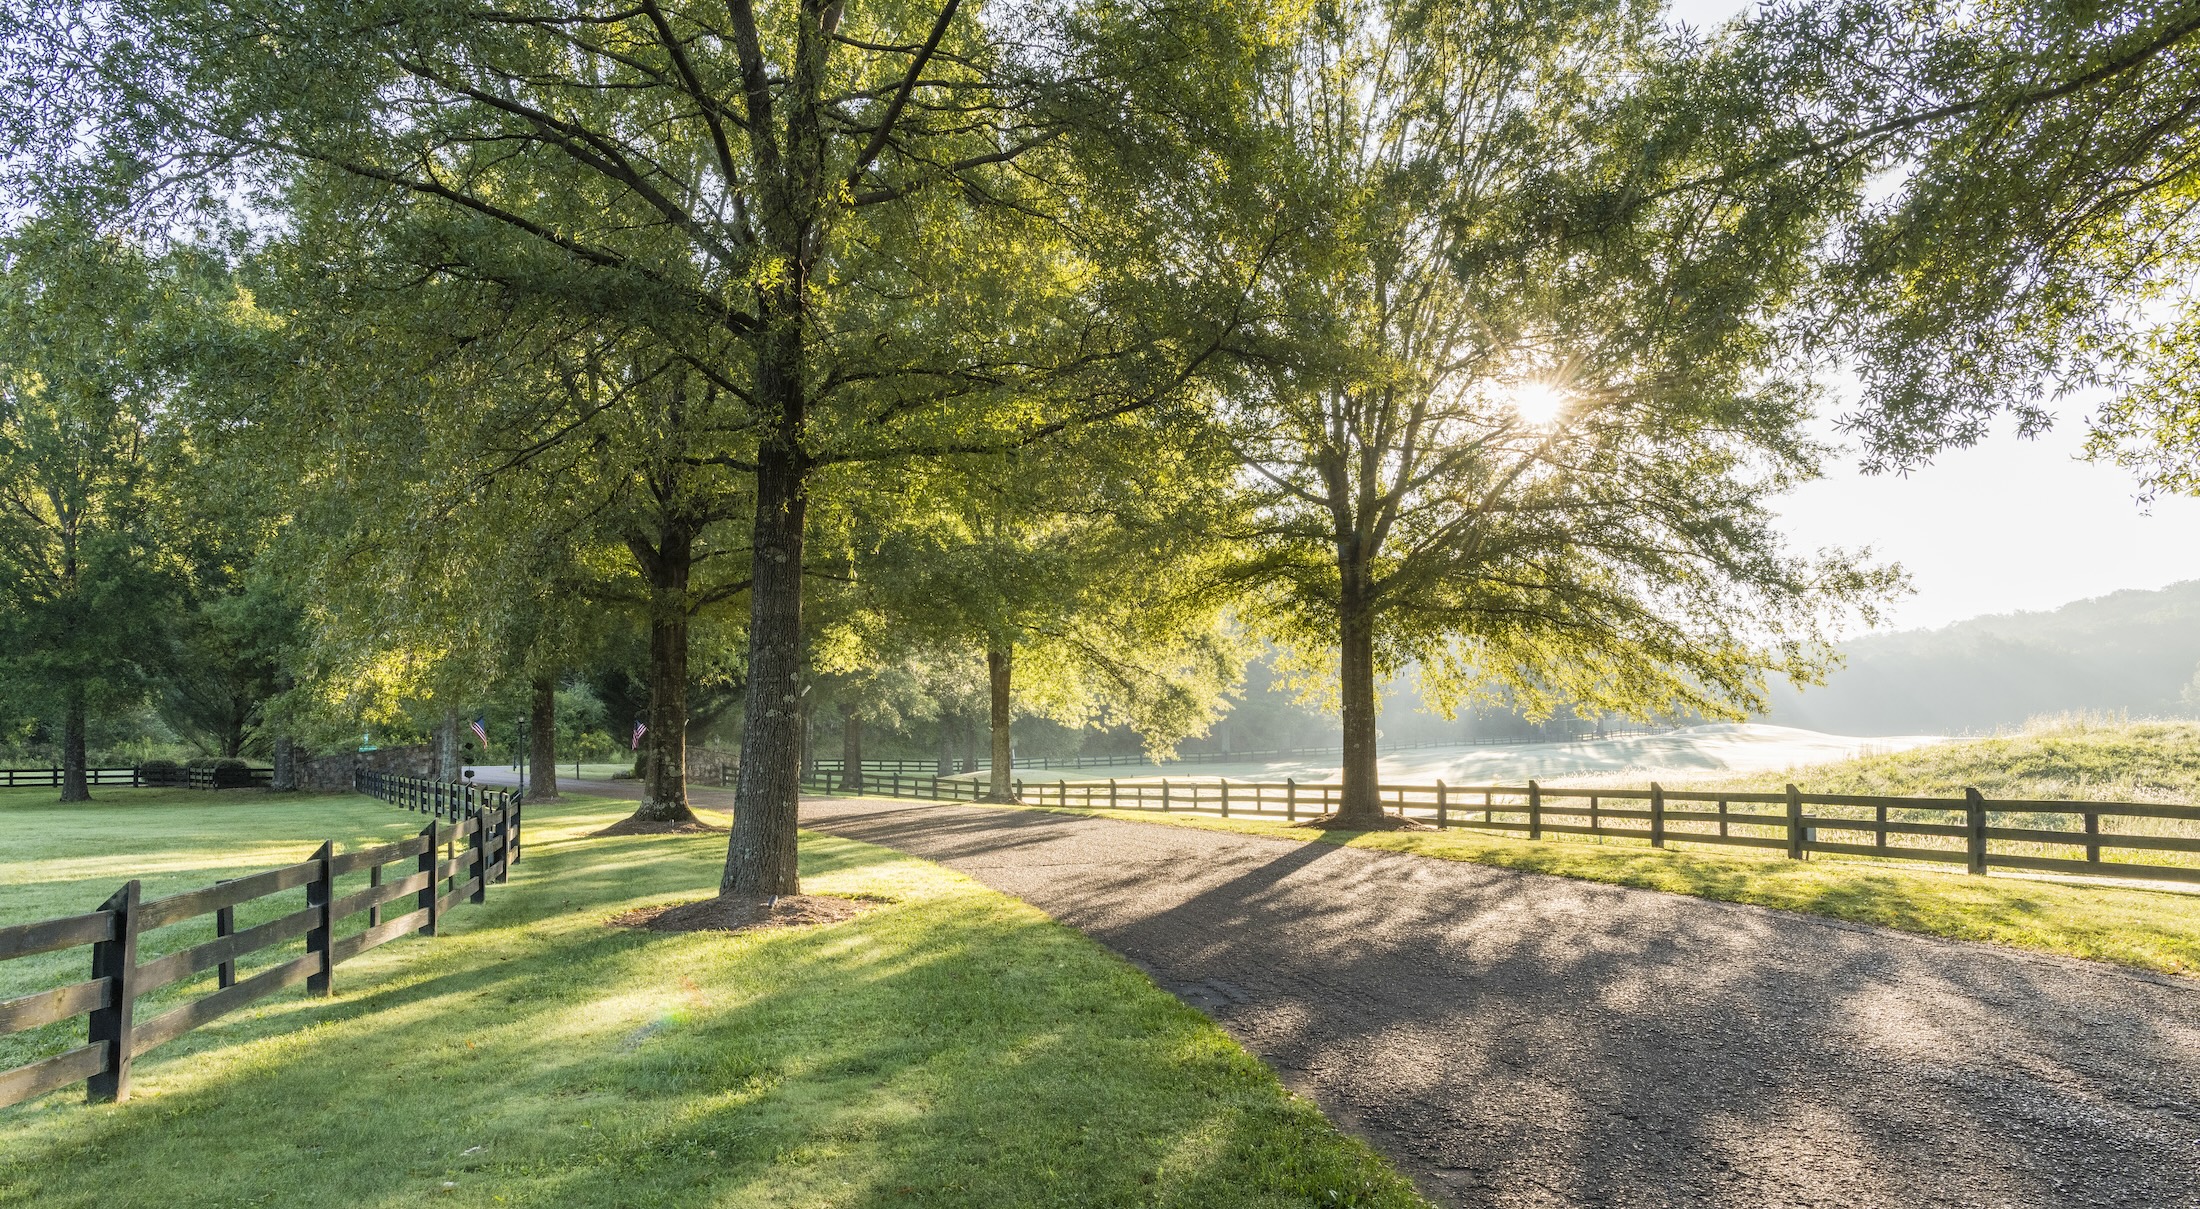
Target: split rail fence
(469, 845)
(2102, 839)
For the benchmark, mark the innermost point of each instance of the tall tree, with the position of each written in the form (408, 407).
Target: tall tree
(861, 222)
(1511, 409)
(1080, 575)
(85, 576)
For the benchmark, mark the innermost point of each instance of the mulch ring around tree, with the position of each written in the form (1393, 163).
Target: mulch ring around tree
(1388, 822)
(743, 914)
(634, 826)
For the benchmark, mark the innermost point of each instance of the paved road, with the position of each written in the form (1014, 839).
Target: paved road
(1518, 1040)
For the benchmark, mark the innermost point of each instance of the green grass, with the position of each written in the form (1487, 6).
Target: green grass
(949, 1047)
(2148, 929)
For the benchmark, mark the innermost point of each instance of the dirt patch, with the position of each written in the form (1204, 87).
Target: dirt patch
(634, 826)
(741, 914)
(1388, 822)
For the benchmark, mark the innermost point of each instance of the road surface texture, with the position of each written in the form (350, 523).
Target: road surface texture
(1512, 1039)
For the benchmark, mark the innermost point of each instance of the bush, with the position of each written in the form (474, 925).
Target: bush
(163, 774)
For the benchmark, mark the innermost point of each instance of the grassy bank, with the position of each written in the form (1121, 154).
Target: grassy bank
(2064, 759)
(947, 1047)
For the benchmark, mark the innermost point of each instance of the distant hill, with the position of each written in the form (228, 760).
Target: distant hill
(2128, 651)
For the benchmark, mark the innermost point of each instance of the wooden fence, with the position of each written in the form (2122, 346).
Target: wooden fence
(193, 778)
(926, 767)
(1975, 831)
(447, 864)
(453, 800)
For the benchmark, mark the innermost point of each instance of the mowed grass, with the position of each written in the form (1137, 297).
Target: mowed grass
(2147, 929)
(949, 1046)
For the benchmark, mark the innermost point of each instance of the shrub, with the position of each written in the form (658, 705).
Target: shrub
(162, 774)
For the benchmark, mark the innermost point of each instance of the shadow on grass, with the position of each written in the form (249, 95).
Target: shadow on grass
(952, 1047)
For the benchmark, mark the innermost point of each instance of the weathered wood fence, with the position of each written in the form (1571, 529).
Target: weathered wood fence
(448, 863)
(2084, 838)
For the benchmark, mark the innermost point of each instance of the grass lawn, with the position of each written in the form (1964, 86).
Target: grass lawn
(949, 1046)
(2149, 929)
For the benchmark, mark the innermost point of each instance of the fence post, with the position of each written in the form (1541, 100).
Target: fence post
(1164, 795)
(1535, 811)
(1795, 823)
(1974, 808)
(479, 858)
(1443, 807)
(1657, 816)
(1061, 792)
(428, 862)
(1290, 799)
(116, 961)
(225, 924)
(1225, 799)
(1111, 793)
(318, 893)
(2092, 830)
(514, 807)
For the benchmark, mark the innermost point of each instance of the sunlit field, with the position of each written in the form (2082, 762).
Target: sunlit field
(946, 1046)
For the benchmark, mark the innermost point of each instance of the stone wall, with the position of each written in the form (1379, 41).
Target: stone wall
(708, 769)
(334, 772)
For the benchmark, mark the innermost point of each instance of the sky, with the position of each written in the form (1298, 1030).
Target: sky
(2004, 526)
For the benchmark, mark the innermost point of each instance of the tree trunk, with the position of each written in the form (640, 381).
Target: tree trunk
(446, 747)
(75, 784)
(946, 765)
(1361, 800)
(970, 743)
(284, 777)
(760, 856)
(664, 748)
(794, 194)
(851, 751)
(542, 741)
(998, 663)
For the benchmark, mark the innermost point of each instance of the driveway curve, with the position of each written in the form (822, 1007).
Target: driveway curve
(1513, 1039)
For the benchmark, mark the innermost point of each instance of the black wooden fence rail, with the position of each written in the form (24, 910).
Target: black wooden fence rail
(193, 778)
(447, 864)
(1975, 831)
(453, 800)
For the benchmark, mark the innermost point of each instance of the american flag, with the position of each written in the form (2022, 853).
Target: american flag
(640, 729)
(481, 730)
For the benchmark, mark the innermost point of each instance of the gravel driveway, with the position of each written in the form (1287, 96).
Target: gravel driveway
(1519, 1040)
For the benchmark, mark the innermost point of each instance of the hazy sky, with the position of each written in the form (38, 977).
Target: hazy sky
(2003, 526)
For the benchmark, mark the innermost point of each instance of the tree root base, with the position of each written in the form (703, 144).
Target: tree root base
(1386, 822)
(633, 826)
(729, 914)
